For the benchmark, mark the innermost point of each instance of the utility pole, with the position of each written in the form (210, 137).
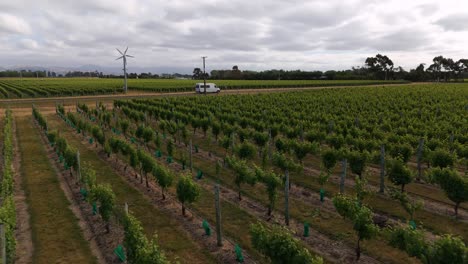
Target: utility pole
(204, 75)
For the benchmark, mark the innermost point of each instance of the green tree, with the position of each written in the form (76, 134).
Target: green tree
(225, 142)
(70, 158)
(301, 149)
(197, 73)
(245, 151)
(187, 191)
(88, 176)
(401, 151)
(134, 162)
(215, 129)
(139, 131)
(280, 246)
(454, 185)
(163, 177)
(148, 134)
(272, 183)
(282, 145)
(146, 164)
(98, 134)
(380, 63)
(158, 142)
(137, 247)
(115, 145)
(260, 138)
(105, 197)
(399, 173)
(124, 124)
(153, 254)
(448, 249)
(243, 173)
(285, 164)
(361, 188)
(410, 240)
(172, 128)
(410, 206)
(329, 159)
(184, 134)
(357, 162)
(170, 148)
(442, 159)
(360, 216)
(205, 124)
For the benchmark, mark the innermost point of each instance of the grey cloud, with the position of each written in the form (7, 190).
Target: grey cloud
(319, 14)
(258, 34)
(13, 24)
(428, 9)
(454, 22)
(350, 36)
(405, 39)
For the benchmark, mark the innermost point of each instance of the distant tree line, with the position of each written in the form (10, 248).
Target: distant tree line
(23, 73)
(89, 74)
(380, 67)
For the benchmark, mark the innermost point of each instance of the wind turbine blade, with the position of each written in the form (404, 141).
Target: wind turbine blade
(129, 56)
(119, 58)
(126, 50)
(119, 51)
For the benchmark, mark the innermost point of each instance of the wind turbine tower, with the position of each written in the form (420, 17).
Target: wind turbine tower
(124, 59)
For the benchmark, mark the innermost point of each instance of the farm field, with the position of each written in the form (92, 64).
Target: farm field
(328, 175)
(59, 87)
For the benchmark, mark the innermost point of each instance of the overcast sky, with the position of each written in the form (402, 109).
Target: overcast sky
(253, 34)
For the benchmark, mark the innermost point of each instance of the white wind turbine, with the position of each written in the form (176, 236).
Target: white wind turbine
(124, 58)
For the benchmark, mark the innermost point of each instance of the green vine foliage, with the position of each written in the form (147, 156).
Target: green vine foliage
(272, 182)
(280, 246)
(410, 240)
(243, 173)
(105, 197)
(357, 162)
(329, 159)
(138, 249)
(399, 173)
(7, 208)
(163, 177)
(454, 185)
(448, 249)
(187, 191)
(445, 249)
(359, 215)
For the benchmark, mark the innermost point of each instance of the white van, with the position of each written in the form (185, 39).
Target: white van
(210, 88)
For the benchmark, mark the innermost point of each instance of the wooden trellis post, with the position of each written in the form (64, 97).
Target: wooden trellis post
(3, 241)
(218, 217)
(78, 169)
(286, 198)
(191, 150)
(382, 169)
(419, 158)
(344, 165)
